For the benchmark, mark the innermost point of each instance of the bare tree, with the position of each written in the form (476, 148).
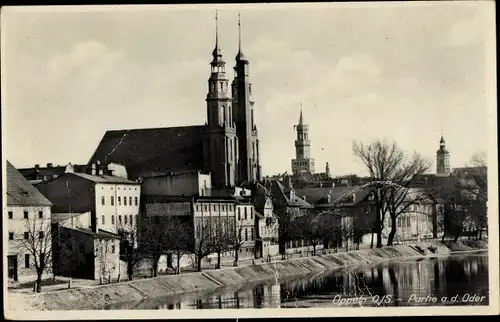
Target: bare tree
(157, 236)
(104, 249)
(183, 244)
(130, 249)
(37, 243)
(203, 240)
(237, 242)
(310, 227)
(221, 238)
(392, 173)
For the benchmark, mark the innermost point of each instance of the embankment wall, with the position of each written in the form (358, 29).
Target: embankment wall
(99, 296)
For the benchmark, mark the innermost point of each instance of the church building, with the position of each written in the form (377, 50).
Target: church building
(443, 167)
(226, 146)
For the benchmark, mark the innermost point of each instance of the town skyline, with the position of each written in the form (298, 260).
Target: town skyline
(120, 68)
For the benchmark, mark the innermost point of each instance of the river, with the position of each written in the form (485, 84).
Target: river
(451, 280)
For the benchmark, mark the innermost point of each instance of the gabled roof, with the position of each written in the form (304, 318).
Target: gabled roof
(279, 192)
(20, 192)
(153, 151)
(104, 178)
(336, 195)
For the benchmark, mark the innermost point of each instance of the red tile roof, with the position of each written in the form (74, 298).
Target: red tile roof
(153, 151)
(20, 192)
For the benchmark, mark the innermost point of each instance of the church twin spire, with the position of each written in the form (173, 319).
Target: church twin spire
(217, 53)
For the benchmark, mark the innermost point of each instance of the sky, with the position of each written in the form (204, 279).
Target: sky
(364, 71)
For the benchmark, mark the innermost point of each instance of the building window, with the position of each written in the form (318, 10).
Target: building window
(26, 235)
(136, 201)
(119, 201)
(197, 208)
(124, 201)
(11, 236)
(125, 218)
(239, 213)
(26, 261)
(25, 215)
(245, 213)
(112, 220)
(120, 219)
(130, 201)
(131, 222)
(215, 208)
(113, 249)
(103, 200)
(41, 234)
(11, 215)
(205, 207)
(223, 208)
(103, 220)
(246, 234)
(251, 233)
(112, 201)
(251, 213)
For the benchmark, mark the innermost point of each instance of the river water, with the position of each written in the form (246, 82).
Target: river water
(452, 280)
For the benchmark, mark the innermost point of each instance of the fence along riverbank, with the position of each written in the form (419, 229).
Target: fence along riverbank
(98, 297)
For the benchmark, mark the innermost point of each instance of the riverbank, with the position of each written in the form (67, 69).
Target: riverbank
(98, 297)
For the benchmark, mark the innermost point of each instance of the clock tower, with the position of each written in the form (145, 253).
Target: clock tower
(303, 161)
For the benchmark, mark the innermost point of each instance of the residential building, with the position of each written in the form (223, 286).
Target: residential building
(27, 217)
(226, 146)
(266, 242)
(287, 203)
(113, 202)
(416, 220)
(81, 252)
(245, 227)
(202, 214)
(352, 210)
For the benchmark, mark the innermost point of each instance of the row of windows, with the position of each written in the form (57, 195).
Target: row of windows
(112, 200)
(126, 219)
(106, 249)
(41, 235)
(25, 214)
(214, 207)
(123, 188)
(246, 234)
(27, 259)
(245, 213)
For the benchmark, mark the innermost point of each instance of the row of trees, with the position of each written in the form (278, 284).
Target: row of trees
(157, 236)
(393, 173)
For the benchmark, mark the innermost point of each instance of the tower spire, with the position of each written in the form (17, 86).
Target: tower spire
(301, 120)
(240, 56)
(217, 53)
(216, 29)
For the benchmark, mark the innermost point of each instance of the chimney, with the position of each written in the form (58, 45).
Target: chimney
(49, 165)
(37, 166)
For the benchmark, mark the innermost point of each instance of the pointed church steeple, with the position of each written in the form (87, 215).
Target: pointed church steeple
(217, 53)
(443, 167)
(240, 56)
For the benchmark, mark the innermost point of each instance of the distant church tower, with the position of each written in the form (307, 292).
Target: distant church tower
(243, 113)
(303, 161)
(220, 144)
(442, 159)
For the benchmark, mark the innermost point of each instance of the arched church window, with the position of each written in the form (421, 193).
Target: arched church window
(222, 86)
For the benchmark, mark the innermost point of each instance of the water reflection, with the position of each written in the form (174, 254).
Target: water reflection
(388, 284)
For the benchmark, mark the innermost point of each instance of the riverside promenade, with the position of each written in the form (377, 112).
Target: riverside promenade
(98, 296)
